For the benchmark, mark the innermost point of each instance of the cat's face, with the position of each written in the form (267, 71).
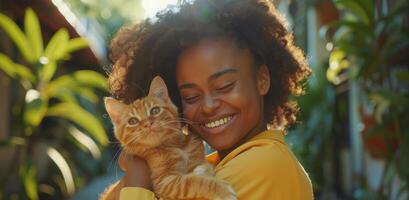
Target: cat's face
(150, 121)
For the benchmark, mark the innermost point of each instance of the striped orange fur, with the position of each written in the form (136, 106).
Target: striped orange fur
(150, 128)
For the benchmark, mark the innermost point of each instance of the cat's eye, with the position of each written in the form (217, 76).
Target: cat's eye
(155, 110)
(133, 121)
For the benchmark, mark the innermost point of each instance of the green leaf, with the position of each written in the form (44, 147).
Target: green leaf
(18, 37)
(48, 71)
(33, 31)
(357, 8)
(28, 173)
(91, 79)
(65, 87)
(15, 70)
(86, 141)
(7, 65)
(80, 117)
(354, 26)
(76, 44)
(368, 5)
(60, 84)
(392, 97)
(35, 108)
(61, 88)
(88, 94)
(12, 141)
(337, 63)
(55, 49)
(64, 168)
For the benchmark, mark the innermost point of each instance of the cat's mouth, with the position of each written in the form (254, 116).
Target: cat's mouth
(219, 122)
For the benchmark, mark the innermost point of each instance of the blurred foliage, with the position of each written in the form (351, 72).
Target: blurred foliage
(311, 139)
(371, 43)
(110, 15)
(53, 117)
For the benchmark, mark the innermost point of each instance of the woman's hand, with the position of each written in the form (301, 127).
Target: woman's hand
(137, 171)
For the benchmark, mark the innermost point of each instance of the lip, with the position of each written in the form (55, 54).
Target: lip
(218, 129)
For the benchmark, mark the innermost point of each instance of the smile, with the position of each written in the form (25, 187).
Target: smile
(218, 122)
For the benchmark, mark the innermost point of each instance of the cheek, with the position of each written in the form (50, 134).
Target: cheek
(189, 111)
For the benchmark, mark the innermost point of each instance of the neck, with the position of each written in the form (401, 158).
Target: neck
(253, 132)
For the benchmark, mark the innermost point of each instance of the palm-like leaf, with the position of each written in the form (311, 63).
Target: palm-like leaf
(15, 70)
(76, 44)
(18, 37)
(33, 31)
(81, 117)
(64, 168)
(35, 108)
(85, 141)
(28, 172)
(40, 87)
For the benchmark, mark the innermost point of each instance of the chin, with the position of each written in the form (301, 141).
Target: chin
(219, 146)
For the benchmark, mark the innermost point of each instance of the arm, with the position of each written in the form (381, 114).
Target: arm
(137, 183)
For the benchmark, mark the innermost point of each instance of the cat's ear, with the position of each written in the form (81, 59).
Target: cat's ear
(114, 108)
(158, 89)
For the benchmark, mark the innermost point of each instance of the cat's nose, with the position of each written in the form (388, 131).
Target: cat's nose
(147, 124)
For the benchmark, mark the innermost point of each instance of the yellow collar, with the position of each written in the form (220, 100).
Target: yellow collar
(267, 135)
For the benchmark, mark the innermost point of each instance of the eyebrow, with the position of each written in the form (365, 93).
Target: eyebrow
(212, 77)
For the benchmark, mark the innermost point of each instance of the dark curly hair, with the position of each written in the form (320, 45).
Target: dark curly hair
(151, 48)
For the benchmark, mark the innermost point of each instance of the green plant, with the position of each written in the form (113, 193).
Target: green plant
(50, 112)
(311, 139)
(370, 45)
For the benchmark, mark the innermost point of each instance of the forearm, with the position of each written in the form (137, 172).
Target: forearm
(131, 193)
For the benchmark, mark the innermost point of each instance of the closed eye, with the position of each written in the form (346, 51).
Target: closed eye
(226, 87)
(191, 99)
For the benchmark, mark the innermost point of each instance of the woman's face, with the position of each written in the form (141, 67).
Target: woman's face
(222, 92)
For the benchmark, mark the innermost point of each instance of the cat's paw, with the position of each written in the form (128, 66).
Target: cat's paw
(204, 170)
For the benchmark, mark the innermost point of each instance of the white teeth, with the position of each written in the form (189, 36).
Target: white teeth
(218, 122)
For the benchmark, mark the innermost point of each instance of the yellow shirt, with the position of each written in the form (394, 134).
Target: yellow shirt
(262, 168)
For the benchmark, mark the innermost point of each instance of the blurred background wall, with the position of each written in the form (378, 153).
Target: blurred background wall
(56, 141)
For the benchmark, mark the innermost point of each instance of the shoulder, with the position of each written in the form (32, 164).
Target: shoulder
(266, 169)
(273, 159)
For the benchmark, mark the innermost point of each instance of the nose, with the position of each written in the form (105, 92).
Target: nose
(210, 104)
(147, 123)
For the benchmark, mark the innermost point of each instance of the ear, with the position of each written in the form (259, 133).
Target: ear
(158, 89)
(263, 80)
(114, 108)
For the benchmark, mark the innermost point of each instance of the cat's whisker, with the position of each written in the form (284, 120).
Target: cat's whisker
(132, 140)
(172, 128)
(182, 121)
(170, 122)
(166, 148)
(188, 121)
(114, 142)
(116, 158)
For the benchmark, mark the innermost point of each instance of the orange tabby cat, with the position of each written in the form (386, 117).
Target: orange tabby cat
(149, 128)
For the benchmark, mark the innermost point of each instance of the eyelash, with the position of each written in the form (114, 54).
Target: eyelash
(224, 88)
(191, 99)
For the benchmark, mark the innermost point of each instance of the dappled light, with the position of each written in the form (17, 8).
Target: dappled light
(346, 123)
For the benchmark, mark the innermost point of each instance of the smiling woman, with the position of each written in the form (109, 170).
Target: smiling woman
(222, 90)
(230, 67)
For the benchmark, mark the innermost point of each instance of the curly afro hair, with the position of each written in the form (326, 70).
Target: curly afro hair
(152, 47)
